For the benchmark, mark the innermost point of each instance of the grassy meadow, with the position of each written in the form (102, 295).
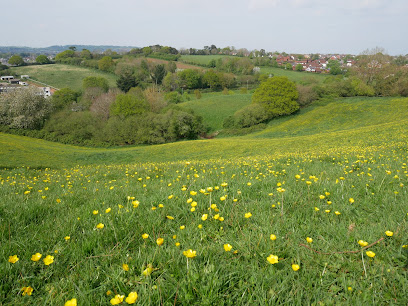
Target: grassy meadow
(214, 108)
(312, 210)
(61, 76)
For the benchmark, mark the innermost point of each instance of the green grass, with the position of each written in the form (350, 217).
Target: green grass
(214, 108)
(61, 76)
(360, 154)
(201, 59)
(295, 76)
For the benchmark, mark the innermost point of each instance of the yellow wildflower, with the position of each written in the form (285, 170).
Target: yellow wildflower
(272, 237)
(389, 233)
(295, 267)
(190, 253)
(72, 302)
(160, 241)
(309, 240)
(248, 215)
(48, 260)
(13, 259)
(370, 254)
(36, 257)
(227, 247)
(272, 259)
(125, 267)
(27, 290)
(100, 226)
(132, 297)
(117, 299)
(145, 236)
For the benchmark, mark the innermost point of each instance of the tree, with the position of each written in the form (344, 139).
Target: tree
(147, 51)
(126, 81)
(105, 63)
(63, 97)
(86, 54)
(299, 67)
(190, 78)
(91, 81)
(42, 59)
(16, 60)
(211, 79)
(127, 105)
(334, 67)
(278, 96)
(158, 74)
(172, 67)
(64, 54)
(24, 109)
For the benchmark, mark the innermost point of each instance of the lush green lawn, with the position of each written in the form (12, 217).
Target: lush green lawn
(337, 183)
(61, 76)
(214, 108)
(202, 59)
(295, 76)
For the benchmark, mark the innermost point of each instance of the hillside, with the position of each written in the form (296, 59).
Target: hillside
(364, 123)
(61, 76)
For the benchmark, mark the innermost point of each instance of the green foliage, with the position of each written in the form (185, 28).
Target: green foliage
(158, 73)
(65, 54)
(248, 116)
(190, 78)
(63, 97)
(277, 96)
(299, 67)
(126, 81)
(24, 109)
(127, 105)
(106, 63)
(212, 79)
(92, 81)
(197, 94)
(16, 60)
(334, 67)
(42, 59)
(164, 56)
(86, 54)
(173, 97)
(306, 95)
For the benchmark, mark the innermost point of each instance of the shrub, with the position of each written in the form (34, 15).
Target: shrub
(92, 81)
(173, 97)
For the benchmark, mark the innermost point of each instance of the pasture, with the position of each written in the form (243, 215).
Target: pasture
(304, 212)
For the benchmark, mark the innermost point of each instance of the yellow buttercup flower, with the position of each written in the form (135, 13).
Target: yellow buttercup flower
(182, 227)
(48, 260)
(170, 217)
(272, 259)
(72, 302)
(351, 200)
(362, 243)
(272, 237)
(13, 259)
(389, 233)
(95, 212)
(117, 299)
(160, 241)
(132, 297)
(190, 253)
(27, 290)
(321, 197)
(67, 238)
(309, 240)
(135, 203)
(337, 213)
(145, 236)
(370, 254)
(125, 267)
(227, 247)
(108, 210)
(148, 270)
(248, 215)
(36, 257)
(204, 217)
(295, 267)
(100, 226)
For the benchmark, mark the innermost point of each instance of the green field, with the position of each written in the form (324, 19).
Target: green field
(61, 76)
(245, 207)
(201, 59)
(214, 108)
(295, 76)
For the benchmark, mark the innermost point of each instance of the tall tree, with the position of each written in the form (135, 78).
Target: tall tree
(16, 60)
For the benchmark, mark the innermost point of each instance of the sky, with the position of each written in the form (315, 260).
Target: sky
(293, 26)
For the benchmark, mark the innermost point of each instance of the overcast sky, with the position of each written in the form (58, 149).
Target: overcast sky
(297, 26)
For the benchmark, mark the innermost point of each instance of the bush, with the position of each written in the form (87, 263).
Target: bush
(127, 105)
(277, 95)
(306, 95)
(250, 115)
(173, 97)
(99, 82)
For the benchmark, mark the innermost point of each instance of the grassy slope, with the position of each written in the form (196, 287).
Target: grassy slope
(201, 59)
(295, 76)
(214, 108)
(303, 133)
(61, 76)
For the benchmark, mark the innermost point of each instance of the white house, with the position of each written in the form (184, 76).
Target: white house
(6, 77)
(25, 76)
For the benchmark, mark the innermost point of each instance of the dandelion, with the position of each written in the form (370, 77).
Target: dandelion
(13, 259)
(389, 233)
(309, 240)
(48, 260)
(132, 297)
(272, 237)
(295, 267)
(160, 241)
(145, 236)
(100, 226)
(72, 302)
(27, 290)
(248, 215)
(190, 253)
(117, 299)
(227, 247)
(370, 254)
(36, 257)
(272, 259)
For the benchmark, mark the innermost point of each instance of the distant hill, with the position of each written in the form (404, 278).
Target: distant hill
(56, 49)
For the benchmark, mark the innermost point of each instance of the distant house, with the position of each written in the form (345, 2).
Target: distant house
(14, 81)
(25, 76)
(6, 78)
